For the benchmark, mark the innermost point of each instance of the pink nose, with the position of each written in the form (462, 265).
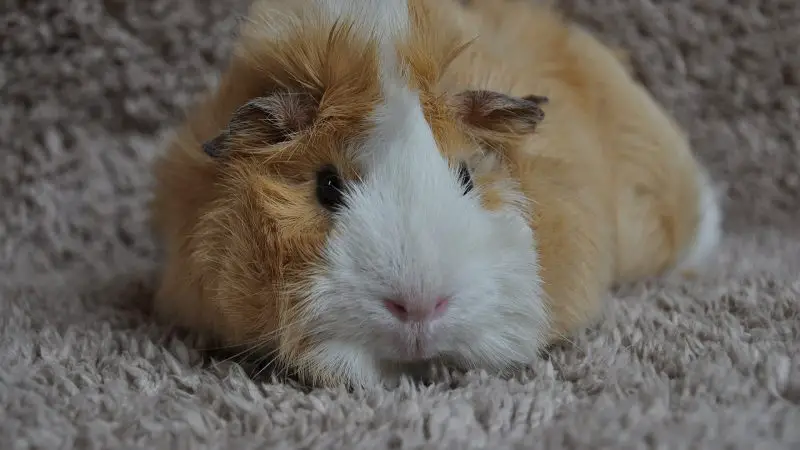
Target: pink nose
(416, 311)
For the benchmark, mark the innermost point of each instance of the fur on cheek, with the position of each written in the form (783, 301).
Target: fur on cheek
(497, 188)
(256, 243)
(298, 230)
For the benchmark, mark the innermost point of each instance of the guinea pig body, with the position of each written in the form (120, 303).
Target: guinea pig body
(377, 183)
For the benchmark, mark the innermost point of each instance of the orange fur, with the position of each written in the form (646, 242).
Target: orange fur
(612, 184)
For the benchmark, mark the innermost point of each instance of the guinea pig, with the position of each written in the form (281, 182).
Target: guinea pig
(378, 183)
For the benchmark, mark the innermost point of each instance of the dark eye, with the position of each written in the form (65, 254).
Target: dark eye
(465, 177)
(329, 188)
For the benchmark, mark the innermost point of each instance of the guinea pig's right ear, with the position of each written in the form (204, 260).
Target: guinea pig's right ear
(262, 122)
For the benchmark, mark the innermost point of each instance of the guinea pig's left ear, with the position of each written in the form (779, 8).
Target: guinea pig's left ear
(264, 121)
(495, 112)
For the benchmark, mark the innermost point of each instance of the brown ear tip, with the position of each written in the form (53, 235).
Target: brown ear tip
(538, 99)
(214, 147)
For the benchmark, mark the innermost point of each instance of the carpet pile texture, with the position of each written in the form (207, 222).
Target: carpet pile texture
(88, 89)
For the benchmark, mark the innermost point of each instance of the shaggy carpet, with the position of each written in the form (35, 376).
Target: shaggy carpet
(89, 87)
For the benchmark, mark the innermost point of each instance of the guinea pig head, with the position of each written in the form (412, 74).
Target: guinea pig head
(383, 224)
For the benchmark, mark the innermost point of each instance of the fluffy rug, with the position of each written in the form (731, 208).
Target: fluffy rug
(88, 88)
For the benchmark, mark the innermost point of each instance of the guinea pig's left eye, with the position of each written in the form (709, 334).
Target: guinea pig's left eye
(465, 177)
(329, 188)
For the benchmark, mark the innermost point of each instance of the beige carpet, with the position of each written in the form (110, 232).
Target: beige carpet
(89, 86)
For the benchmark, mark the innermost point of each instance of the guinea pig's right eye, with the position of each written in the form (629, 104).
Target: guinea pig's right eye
(329, 188)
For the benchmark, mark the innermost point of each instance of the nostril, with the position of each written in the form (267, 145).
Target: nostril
(397, 309)
(441, 305)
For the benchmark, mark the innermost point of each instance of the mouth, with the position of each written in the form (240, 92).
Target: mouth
(414, 348)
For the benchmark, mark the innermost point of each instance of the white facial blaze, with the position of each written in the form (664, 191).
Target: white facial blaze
(410, 206)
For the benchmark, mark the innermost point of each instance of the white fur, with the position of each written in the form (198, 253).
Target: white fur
(409, 232)
(387, 21)
(709, 233)
(383, 20)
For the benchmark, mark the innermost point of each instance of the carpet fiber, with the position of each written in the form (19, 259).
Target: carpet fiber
(89, 87)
